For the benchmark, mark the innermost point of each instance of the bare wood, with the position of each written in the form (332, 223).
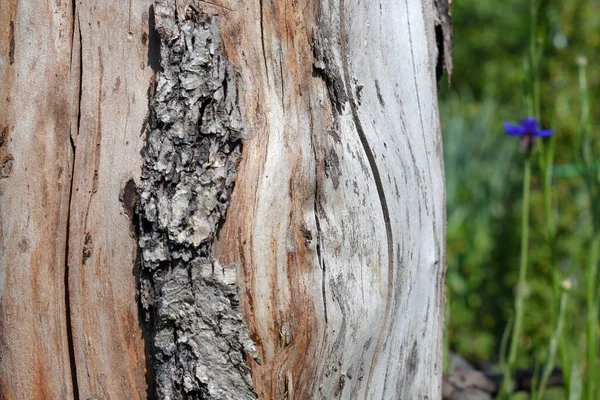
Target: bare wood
(115, 77)
(337, 219)
(35, 181)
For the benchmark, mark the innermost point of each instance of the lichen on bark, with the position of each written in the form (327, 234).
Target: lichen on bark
(190, 301)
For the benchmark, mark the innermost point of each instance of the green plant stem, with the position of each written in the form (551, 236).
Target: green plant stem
(553, 346)
(534, 59)
(547, 167)
(519, 302)
(592, 317)
(506, 386)
(565, 347)
(520, 297)
(547, 163)
(584, 137)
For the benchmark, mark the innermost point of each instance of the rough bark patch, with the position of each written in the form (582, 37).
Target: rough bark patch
(190, 301)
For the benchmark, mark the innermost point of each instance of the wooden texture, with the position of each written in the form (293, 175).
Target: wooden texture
(337, 218)
(35, 179)
(336, 222)
(115, 79)
(74, 98)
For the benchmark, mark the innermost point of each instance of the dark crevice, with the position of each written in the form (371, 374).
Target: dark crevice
(69, 317)
(79, 91)
(11, 43)
(378, 184)
(319, 235)
(443, 37)
(150, 376)
(70, 340)
(262, 38)
(326, 62)
(282, 83)
(439, 40)
(321, 260)
(153, 42)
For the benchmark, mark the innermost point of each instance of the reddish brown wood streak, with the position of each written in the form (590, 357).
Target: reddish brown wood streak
(34, 120)
(108, 340)
(288, 25)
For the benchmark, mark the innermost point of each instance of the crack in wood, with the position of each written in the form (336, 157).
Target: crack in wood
(262, 37)
(326, 64)
(319, 234)
(11, 43)
(380, 190)
(78, 58)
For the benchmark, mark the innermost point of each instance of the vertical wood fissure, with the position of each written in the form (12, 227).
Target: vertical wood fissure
(262, 36)
(380, 192)
(69, 319)
(319, 234)
(78, 58)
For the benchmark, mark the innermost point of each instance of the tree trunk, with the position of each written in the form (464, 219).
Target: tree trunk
(226, 200)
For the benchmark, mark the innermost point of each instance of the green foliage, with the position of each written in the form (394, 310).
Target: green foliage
(484, 174)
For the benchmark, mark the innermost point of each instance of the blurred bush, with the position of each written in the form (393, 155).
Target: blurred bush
(483, 170)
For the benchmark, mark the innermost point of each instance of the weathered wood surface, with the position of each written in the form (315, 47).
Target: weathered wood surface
(68, 172)
(35, 180)
(115, 76)
(336, 222)
(337, 219)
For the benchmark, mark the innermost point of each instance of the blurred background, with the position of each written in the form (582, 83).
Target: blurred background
(484, 174)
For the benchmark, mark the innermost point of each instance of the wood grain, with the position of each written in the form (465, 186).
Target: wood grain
(337, 219)
(35, 181)
(115, 79)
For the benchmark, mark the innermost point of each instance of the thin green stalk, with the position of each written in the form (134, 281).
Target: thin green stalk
(547, 162)
(592, 317)
(565, 349)
(575, 389)
(504, 341)
(553, 346)
(584, 137)
(519, 302)
(521, 285)
(506, 386)
(534, 59)
(547, 170)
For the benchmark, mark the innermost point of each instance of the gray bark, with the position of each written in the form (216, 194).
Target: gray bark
(193, 145)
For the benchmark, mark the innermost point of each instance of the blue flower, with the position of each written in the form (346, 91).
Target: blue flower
(527, 129)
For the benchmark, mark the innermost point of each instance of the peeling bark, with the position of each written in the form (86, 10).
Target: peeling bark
(193, 145)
